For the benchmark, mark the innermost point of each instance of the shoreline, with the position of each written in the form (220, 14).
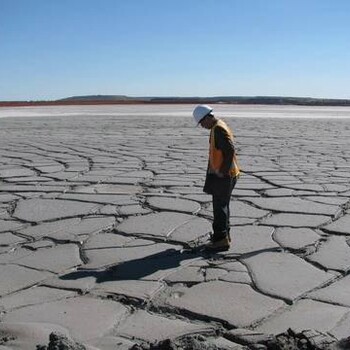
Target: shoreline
(100, 100)
(177, 110)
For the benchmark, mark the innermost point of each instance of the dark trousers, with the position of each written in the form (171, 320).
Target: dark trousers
(221, 211)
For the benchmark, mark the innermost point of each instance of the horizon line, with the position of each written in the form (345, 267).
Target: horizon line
(134, 97)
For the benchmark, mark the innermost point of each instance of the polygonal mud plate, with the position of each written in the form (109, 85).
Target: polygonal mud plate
(158, 224)
(33, 296)
(174, 204)
(85, 318)
(56, 259)
(19, 277)
(150, 327)
(295, 238)
(336, 293)
(296, 220)
(284, 275)
(111, 343)
(143, 290)
(37, 210)
(10, 225)
(305, 314)
(294, 205)
(49, 228)
(248, 239)
(334, 254)
(340, 226)
(237, 304)
(8, 238)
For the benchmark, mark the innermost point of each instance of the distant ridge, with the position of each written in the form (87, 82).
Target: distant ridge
(273, 100)
(97, 98)
(122, 99)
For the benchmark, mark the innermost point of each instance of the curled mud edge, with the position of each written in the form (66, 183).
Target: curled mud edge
(289, 340)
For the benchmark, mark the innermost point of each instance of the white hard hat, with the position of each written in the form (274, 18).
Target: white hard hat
(200, 112)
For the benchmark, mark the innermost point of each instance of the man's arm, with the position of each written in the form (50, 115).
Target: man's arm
(224, 143)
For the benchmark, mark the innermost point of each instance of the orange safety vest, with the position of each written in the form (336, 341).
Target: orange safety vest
(215, 155)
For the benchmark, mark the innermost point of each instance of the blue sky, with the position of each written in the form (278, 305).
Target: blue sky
(52, 49)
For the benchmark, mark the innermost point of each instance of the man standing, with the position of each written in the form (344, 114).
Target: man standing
(222, 174)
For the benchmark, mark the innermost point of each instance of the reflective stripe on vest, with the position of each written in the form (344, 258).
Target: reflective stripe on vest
(215, 155)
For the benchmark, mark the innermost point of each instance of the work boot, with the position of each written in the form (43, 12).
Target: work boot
(212, 239)
(218, 246)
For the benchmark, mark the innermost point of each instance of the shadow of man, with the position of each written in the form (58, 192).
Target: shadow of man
(137, 268)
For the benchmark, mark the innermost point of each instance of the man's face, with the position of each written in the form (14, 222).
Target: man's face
(206, 122)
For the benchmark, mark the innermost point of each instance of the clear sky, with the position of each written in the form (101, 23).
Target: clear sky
(52, 49)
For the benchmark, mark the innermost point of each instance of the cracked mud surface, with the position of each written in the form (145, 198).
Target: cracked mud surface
(98, 215)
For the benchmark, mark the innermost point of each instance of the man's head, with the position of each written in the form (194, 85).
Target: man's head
(203, 115)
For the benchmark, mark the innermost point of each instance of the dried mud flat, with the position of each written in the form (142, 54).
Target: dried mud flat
(98, 215)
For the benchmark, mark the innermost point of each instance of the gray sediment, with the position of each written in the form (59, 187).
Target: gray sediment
(101, 217)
